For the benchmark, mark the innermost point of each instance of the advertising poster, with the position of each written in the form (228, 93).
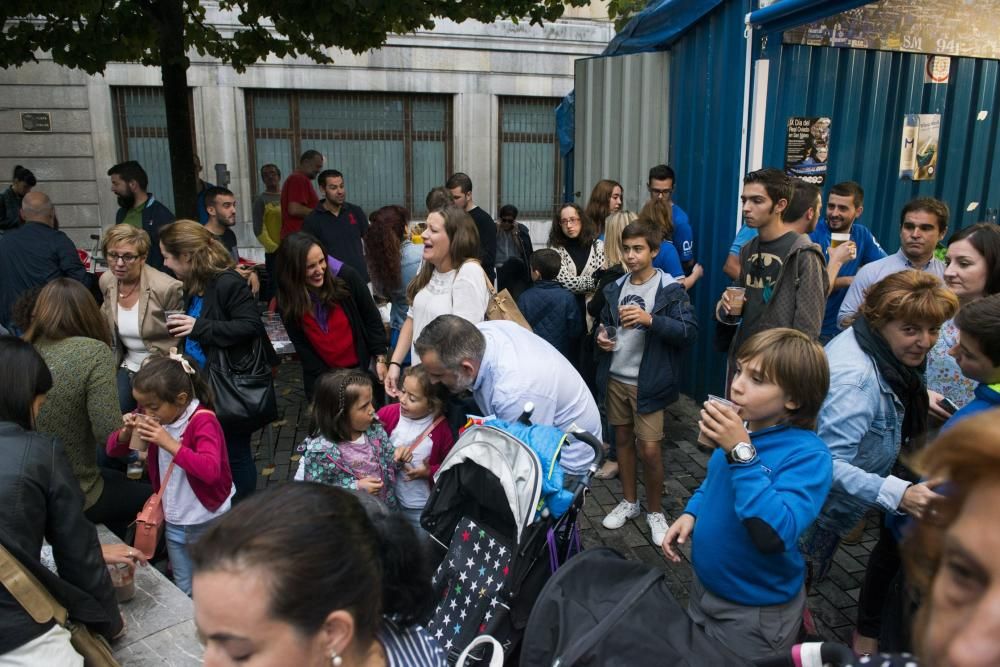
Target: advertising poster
(918, 156)
(807, 148)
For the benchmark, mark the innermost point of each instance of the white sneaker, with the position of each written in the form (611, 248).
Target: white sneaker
(617, 517)
(658, 526)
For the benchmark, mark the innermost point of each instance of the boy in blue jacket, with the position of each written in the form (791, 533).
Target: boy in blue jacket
(639, 370)
(978, 353)
(550, 308)
(766, 484)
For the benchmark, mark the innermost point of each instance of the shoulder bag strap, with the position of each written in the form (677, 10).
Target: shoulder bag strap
(427, 432)
(28, 591)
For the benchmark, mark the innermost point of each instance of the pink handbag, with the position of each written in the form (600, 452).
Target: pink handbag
(149, 522)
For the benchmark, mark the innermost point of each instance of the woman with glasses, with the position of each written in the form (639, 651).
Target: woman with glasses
(574, 237)
(137, 298)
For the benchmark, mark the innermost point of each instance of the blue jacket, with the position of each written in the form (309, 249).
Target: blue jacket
(674, 327)
(861, 421)
(987, 398)
(749, 517)
(553, 314)
(154, 216)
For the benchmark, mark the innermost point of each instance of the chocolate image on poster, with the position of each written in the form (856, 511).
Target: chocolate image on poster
(807, 148)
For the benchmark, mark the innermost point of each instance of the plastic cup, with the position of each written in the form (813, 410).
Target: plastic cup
(173, 313)
(123, 579)
(837, 238)
(737, 295)
(704, 439)
(134, 470)
(612, 334)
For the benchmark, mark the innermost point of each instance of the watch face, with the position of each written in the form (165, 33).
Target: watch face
(743, 452)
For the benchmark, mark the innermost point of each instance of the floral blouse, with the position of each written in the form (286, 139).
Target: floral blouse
(586, 282)
(943, 374)
(344, 463)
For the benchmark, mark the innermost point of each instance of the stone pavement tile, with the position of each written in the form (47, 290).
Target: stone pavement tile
(848, 562)
(836, 595)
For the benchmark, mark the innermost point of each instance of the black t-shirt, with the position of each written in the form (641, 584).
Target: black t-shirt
(341, 235)
(228, 239)
(487, 240)
(761, 270)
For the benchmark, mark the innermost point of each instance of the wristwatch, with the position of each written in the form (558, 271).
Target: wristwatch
(743, 452)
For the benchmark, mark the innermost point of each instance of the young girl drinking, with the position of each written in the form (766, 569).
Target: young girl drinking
(350, 448)
(187, 453)
(420, 437)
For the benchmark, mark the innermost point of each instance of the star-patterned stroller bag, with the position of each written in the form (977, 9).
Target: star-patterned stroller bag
(499, 508)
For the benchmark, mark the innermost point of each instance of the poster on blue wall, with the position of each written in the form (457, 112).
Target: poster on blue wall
(946, 27)
(918, 155)
(807, 148)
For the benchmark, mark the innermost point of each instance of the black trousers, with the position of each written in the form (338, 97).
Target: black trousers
(883, 566)
(120, 501)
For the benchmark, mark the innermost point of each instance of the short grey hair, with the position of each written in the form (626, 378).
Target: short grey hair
(453, 339)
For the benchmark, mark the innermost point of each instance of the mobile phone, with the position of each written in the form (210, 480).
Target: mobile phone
(948, 406)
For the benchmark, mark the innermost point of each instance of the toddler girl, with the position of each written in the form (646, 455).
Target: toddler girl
(186, 449)
(420, 437)
(349, 448)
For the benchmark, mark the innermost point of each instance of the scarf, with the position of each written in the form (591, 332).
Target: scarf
(906, 382)
(321, 312)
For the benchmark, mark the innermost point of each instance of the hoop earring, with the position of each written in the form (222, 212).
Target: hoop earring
(336, 660)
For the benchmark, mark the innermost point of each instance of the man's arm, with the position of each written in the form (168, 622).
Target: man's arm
(732, 266)
(852, 301)
(298, 210)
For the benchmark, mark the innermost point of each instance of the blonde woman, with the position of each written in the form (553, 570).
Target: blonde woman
(136, 300)
(220, 313)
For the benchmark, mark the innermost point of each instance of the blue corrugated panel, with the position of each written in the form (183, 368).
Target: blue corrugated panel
(867, 93)
(706, 95)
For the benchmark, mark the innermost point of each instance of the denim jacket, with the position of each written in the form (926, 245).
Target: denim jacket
(861, 422)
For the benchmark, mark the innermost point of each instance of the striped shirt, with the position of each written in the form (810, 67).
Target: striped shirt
(409, 646)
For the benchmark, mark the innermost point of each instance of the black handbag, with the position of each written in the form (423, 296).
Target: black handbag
(244, 392)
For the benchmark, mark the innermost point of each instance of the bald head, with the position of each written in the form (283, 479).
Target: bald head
(37, 207)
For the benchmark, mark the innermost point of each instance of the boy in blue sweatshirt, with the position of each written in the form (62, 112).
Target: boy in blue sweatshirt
(550, 308)
(978, 353)
(639, 371)
(766, 483)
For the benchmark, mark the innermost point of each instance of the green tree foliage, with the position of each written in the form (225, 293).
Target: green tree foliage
(90, 34)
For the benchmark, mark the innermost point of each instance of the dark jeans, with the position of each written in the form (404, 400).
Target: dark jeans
(883, 565)
(120, 501)
(241, 463)
(269, 286)
(125, 399)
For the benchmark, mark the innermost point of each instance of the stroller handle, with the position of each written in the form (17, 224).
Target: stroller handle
(593, 441)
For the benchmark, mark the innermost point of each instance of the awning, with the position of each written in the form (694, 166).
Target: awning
(658, 25)
(785, 14)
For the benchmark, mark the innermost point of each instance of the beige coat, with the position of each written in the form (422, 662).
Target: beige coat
(158, 292)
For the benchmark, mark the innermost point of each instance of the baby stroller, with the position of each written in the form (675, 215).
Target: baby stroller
(503, 524)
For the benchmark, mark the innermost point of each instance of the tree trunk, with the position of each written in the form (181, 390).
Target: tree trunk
(180, 137)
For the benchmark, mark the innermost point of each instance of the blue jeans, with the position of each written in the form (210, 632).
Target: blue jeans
(178, 539)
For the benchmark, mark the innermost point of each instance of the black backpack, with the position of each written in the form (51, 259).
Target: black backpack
(601, 609)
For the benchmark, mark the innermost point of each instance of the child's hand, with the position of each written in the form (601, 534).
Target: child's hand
(723, 425)
(392, 380)
(420, 472)
(679, 531)
(372, 485)
(402, 455)
(602, 340)
(128, 424)
(152, 431)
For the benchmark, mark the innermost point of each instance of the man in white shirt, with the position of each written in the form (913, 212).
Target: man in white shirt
(506, 366)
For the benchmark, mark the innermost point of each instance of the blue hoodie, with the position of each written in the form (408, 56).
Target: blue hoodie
(750, 516)
(987, 397)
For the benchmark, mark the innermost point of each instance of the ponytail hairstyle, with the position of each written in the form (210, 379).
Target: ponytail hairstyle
(286, 534)
(166, 378)
(333, 396)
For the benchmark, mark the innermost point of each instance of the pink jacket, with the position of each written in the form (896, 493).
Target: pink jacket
(202, 456)
(441, 439)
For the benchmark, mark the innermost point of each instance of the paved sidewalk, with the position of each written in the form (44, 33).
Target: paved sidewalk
(833, 602)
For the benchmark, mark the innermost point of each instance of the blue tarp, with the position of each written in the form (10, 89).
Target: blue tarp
(786, 14)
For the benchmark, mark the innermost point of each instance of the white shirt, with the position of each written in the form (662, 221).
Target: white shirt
(518, 367)
(463, 293)
(412, 493)
(181, 506)
(128, 334)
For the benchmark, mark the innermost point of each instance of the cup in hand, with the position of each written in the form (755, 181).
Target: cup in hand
(612, 334)
(737, 295)
(839, 238)
(136, 442)
(704, 439)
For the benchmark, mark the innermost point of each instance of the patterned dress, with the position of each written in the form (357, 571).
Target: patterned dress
(344, 463)
(943, 374)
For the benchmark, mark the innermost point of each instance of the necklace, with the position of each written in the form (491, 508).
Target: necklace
(122, 295)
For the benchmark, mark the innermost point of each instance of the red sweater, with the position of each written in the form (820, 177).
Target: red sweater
(441, 440)
(202, 456)
(336, 346)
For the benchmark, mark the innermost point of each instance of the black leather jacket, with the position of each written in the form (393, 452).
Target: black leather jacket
(41, 498)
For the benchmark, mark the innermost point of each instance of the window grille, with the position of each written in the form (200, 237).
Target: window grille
(530, 164)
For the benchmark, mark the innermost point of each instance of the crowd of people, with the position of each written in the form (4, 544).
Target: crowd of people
(843, 364)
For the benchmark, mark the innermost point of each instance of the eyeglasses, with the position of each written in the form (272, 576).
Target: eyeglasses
(661, 193)
(114, 258)
(566, 221)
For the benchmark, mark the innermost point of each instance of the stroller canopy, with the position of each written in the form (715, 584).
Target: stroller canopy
(515, 465)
